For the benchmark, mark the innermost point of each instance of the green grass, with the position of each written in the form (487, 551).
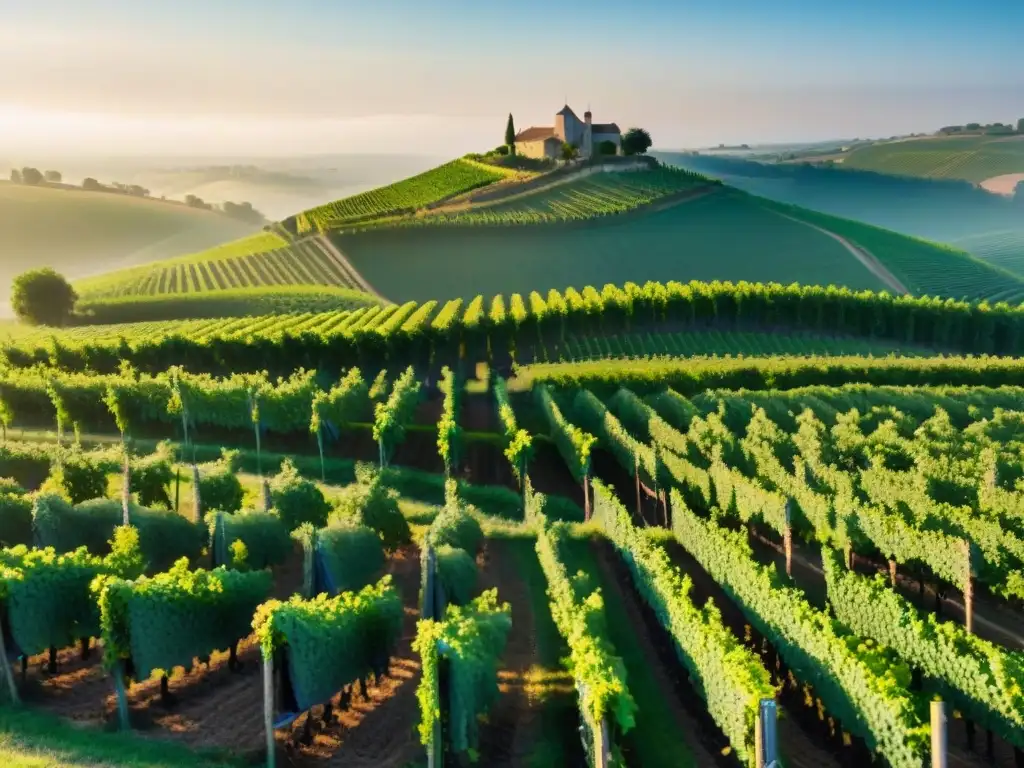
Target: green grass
(925, 268)
(33, 740)
(972, 158)
(78, 233)
(405, 196)
(655, 739)
(548, 683)
(725, 235)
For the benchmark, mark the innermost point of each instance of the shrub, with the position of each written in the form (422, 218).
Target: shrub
(152, 475)
(263, 534)
(352, 556)
(164, 535)
(457, 573)
(15, 519)
(9, 485)
(42, 297)
(219, 488)
(296, 499)
(368, 502)
(456, 527)
(77, 479)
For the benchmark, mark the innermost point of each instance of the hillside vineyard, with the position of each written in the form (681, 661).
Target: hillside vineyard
(690, 486)
(253, 501)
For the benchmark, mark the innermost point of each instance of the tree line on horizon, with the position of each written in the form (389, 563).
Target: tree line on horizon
(33, 177)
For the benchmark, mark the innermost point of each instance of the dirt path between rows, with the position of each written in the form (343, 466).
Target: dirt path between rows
(515, 729)
(697, 739)
(872, 264)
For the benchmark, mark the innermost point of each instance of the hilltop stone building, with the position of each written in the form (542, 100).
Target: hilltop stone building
(586, 135)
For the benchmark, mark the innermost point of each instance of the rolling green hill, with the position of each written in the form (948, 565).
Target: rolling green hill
(80, 233)
(924, 268)
(723, 235)
(612, 227)
(972, 158)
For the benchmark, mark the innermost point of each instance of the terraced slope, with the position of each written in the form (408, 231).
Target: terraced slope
(405, 196)
(261, 261)
(972, 158)
(584, 197)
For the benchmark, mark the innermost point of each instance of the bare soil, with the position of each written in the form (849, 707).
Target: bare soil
(515, 725)
(1003, 185)
(216, 708)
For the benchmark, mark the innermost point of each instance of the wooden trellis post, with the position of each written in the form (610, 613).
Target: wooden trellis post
(787, 538)
(586, 497)
(938, 723)
(120, 690)
(968, 589)
(766, 742)
(268, 708)
(12, 689)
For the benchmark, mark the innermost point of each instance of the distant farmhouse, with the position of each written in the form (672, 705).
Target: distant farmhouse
(586, 136)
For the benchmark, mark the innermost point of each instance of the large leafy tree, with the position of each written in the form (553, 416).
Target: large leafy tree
(636, 141)
(42, 297)
(510, 135)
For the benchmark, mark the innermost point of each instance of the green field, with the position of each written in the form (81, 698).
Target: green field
(720, 236)
(262, 260)
(80, 233)
(405, 196)
(29, 740)
(925, 268)
(972, 158)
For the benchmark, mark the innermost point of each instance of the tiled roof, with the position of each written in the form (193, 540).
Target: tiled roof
(605, 128)
(536, 134)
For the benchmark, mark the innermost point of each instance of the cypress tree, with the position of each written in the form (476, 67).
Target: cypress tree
(510, 135)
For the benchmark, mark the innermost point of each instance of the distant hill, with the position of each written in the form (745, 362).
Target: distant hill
(82, 233)
(990, 227)
(971, 158)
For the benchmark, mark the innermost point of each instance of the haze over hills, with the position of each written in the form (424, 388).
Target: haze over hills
(990, 226)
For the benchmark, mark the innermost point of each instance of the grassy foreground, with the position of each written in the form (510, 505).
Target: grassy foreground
(34, 740)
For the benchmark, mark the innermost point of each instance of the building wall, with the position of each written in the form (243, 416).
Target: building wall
(569, 129)
(539, 149)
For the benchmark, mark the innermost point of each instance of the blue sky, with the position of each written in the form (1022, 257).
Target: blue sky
(334, 75)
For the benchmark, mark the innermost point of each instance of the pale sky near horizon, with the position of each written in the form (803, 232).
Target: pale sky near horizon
(318, 76)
